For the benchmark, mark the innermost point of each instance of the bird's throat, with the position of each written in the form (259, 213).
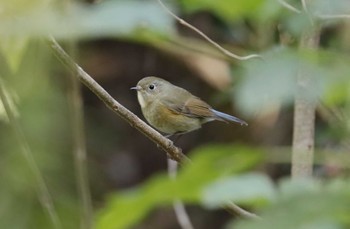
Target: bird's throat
(141, 100)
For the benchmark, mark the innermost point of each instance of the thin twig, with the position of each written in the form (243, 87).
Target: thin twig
(216, 45)
(240, 212)
(179, 207)
(43, 191)
(333, 16)
(289, 6)
(79, 151)
(318, 15)
(167, 145)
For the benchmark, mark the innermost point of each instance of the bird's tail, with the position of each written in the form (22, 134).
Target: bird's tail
(229, 118)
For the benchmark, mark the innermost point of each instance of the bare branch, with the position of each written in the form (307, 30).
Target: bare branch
(179, 207)
(318, 15)
(216, 45)
(237, 211)
(174, 152)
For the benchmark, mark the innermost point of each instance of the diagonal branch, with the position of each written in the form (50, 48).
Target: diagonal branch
(174, 152)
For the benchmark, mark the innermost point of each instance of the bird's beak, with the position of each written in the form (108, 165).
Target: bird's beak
(137, 88)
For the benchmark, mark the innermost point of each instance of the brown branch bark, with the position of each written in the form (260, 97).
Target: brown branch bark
(174, 152)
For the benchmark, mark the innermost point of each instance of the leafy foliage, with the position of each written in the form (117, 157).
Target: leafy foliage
(273, 79)
(194, 184)
(306, 204)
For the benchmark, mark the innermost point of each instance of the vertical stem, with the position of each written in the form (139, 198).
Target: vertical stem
(79, 151)
(79, 146)
(179, 208)
(43, 191)
(304, 114)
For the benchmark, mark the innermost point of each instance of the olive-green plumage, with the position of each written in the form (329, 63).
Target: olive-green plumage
(172, 109)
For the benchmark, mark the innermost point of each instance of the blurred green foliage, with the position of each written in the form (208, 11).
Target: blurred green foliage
(194, 184)
(226, 9)
(306, 204)
(273, 79)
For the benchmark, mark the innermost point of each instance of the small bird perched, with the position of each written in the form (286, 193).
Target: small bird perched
(173, 110)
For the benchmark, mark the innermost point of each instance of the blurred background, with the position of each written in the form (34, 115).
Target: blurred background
(47, 117)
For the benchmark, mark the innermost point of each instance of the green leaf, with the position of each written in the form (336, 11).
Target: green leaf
(209, 164)
(306, 204)
(273, 80)
(225, 9)
(239, 189)
(13, 49)
(108, 18)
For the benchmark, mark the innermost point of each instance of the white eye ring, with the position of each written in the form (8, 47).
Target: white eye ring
(151, 86)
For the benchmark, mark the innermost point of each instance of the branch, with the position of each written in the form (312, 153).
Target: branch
(174, 152)
(237, 211)
(179, 208)
(216, 45)
(304, 112)
(318, 15)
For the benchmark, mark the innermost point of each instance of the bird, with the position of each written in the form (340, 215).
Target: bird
(173, 110)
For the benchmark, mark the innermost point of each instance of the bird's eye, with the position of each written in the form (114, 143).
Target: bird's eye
(151, 86)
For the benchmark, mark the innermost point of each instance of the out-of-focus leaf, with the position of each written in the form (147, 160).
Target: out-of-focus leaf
(268, 82)
(226, 9)
(13, 48)
(329, 7)
(11, 9)
(209, 163)
(314, 206)
(269, 10)
(41, 102)
(273, 80)
(246, 188)
(108, 18)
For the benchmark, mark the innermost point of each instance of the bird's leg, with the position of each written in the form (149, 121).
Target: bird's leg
(177, 137)
(176, 134)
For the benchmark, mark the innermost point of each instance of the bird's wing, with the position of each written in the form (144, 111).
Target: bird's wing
(192, 107)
